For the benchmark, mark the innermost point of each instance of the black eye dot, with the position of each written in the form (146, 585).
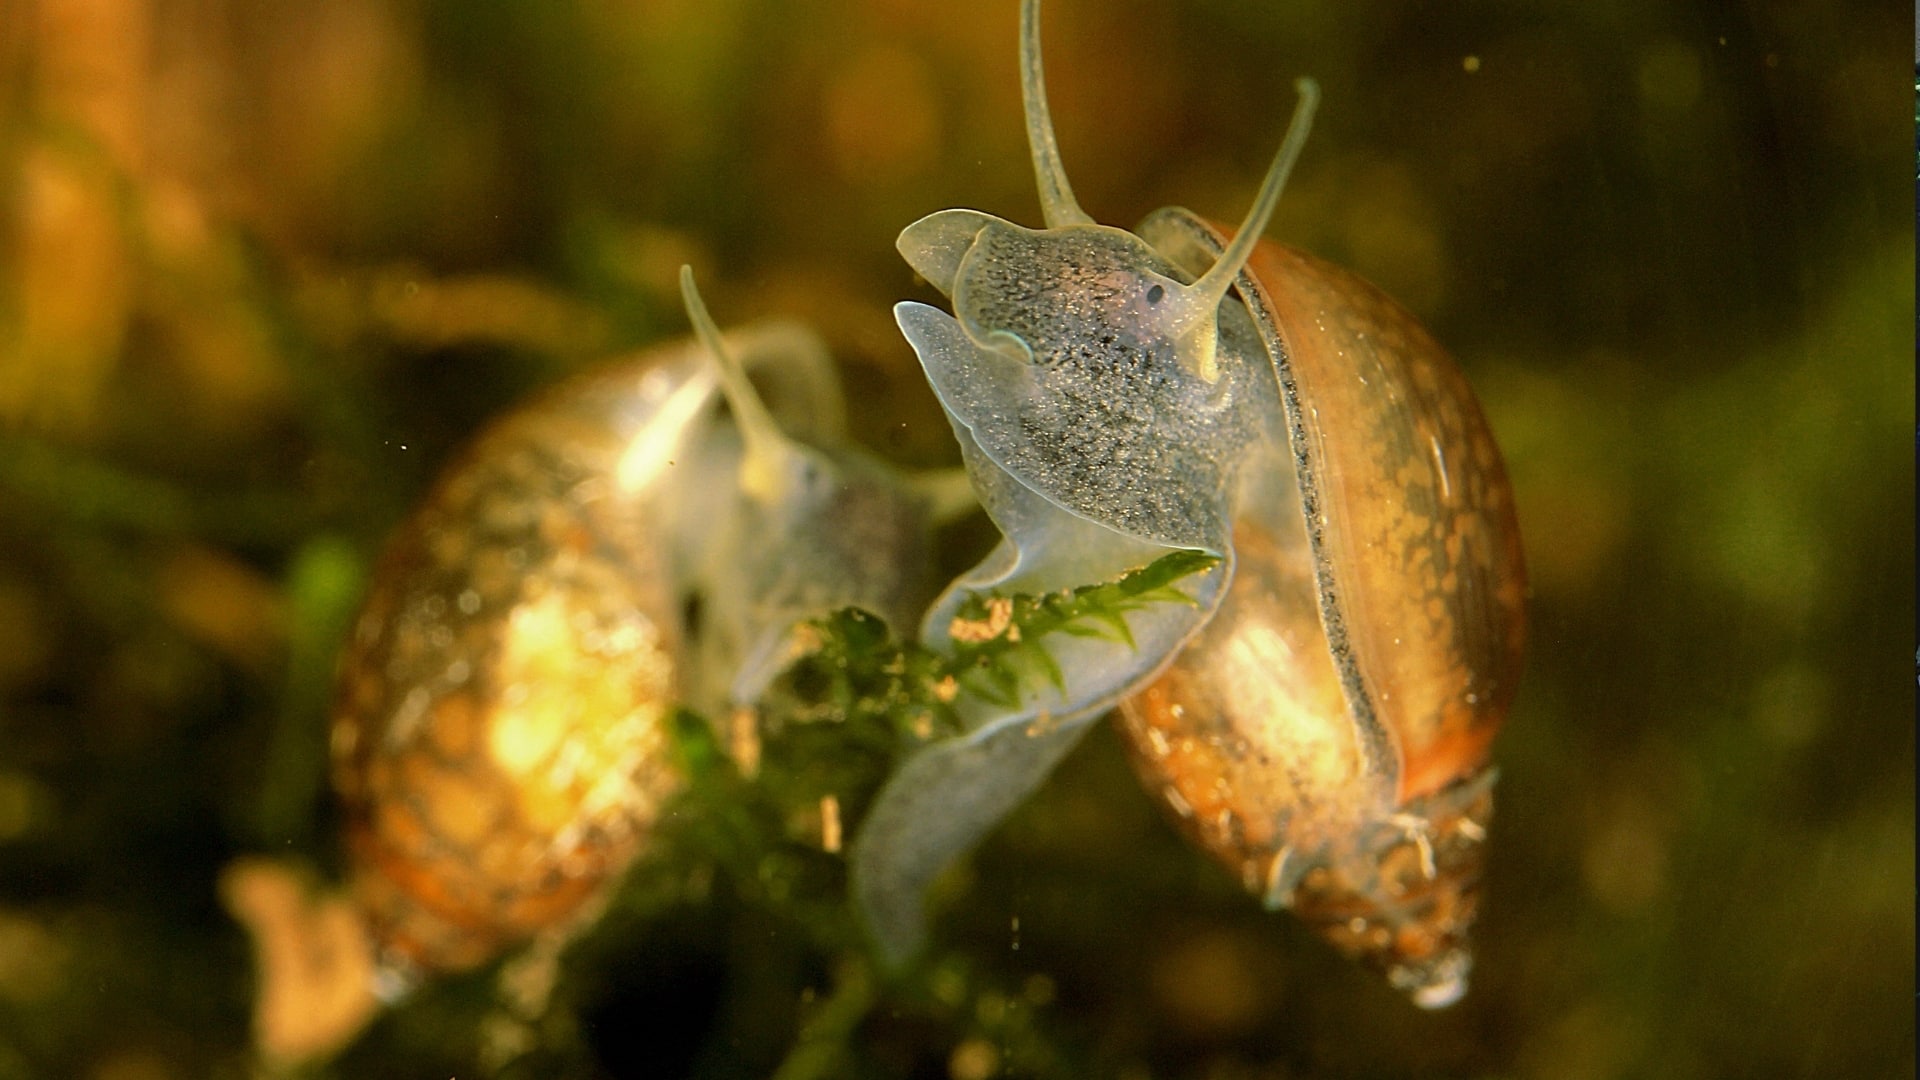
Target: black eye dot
(1155, 294)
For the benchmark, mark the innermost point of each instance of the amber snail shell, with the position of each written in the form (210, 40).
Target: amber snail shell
(1320, 710)
(1326, 737)
(497, 745)
(500, 737)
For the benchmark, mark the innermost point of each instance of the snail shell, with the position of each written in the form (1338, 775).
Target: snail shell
(1321, 711)
(500, 741)
(1326, 736)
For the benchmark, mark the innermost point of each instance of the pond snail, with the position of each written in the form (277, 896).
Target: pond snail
(500, 735)
(1318, 712)
(1319, 715)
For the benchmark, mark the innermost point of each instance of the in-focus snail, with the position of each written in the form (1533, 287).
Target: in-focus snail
(500, 734)
(1320, 712)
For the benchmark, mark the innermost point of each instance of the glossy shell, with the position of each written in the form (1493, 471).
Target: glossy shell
(500, 733)
(1416, 523)
(1327, 735)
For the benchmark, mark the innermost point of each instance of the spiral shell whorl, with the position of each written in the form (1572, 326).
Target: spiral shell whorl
(500, 733)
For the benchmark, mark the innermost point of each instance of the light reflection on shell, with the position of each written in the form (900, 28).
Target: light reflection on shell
(1344, 773)
(1247, 741)
(499, 743)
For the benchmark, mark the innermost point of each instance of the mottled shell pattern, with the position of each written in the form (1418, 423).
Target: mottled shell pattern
(1344, 774)
(500, 737)
(498, 740)
(1317, 713)
(1320, 718)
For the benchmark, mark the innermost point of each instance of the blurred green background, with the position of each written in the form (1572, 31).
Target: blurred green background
(263, 267)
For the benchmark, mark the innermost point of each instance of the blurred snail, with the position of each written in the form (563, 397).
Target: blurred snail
(594, 559)
(1320, 713)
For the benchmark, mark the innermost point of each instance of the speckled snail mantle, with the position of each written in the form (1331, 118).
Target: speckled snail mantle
(1319, 716)
(1315, 704)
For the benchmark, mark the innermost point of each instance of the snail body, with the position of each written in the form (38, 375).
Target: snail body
(1320, 711)
(500, 741)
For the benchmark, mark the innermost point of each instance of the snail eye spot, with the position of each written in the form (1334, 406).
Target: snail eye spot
(1155, 294)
